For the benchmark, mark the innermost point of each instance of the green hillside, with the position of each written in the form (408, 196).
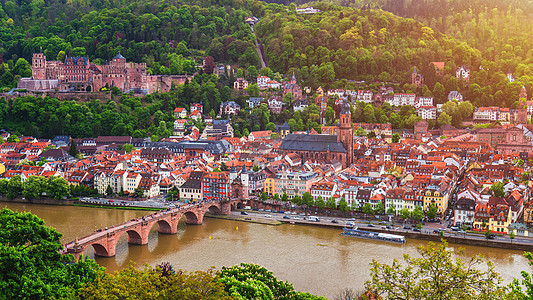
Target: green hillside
(170, 36)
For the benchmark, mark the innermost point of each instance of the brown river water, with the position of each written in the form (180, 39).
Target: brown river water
(314, 259)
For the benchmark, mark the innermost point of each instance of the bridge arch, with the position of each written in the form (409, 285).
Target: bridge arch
(214, 209)
(102, 250)
(193, 218)
(163, 226)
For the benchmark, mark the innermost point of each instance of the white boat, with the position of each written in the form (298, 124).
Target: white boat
(374, 235)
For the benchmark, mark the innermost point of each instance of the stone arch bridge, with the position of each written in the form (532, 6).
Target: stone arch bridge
(105, 240)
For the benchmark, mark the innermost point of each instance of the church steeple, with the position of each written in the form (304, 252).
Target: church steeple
(345, 134)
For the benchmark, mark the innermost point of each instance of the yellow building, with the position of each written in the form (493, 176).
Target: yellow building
(436, 198)
(2, 168)
(269, 186)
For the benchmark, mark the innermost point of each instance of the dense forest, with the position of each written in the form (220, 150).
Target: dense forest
(340, 44)
(172, 37)
(357, 47)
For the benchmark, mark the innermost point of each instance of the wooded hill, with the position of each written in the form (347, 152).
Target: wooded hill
(170, 36)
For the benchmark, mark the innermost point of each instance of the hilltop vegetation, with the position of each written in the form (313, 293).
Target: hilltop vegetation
(372, 45)
(170, 36)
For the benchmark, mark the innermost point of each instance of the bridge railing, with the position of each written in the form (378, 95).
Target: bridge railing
(124, 225)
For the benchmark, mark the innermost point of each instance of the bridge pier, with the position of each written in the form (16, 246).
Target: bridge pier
(225, 208)
(198, 220)
(169, 225)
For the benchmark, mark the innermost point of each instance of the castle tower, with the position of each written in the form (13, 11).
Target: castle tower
(38, 66)
(345, 135)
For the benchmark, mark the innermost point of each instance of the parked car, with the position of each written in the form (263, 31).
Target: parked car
(416, 229)
(286, 217)
(247, 219)
(334, 221)
(406, 227)
(268, 216)
(455, 228)
(244, 213)
(351, 219)
(371, 225)
(490, 236)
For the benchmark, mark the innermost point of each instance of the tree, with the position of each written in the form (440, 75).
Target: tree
(439, 92)
(57, 187)
(517, 292)
(465, 109)
(31, 266)
(223, 167)
(511, 236)
(255, 168)
(431, 212)
(128, 148)
(14, 187)
(34, 187)
(343, 205)
(444, 119)
(284, 197)
(360, 131)
(13, 139)
(138, 192)
(161, 282)
(307, 199)
(380, 208)
(395, 138)
(331, 203)
(498, 189)
(109, 191)
(264, 196)
(209, 65)
(437, 274)
(391, 210)
(276, 197)
(251, 281)
(72, 150)
(405, 213)
(367, 209)
(296, 200)
(418, 213)
(288, 99)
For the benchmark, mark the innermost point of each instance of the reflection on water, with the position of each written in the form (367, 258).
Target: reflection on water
(291, 252)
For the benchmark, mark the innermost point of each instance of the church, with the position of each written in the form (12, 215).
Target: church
(324, 147)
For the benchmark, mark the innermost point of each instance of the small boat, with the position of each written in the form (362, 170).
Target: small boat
(373, 235)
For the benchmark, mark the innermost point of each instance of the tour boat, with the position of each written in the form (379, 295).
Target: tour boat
(374, 235)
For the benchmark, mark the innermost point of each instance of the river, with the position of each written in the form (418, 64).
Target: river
(316, 260)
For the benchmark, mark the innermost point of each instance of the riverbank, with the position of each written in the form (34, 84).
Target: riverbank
(455, 238)
(471, 240)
